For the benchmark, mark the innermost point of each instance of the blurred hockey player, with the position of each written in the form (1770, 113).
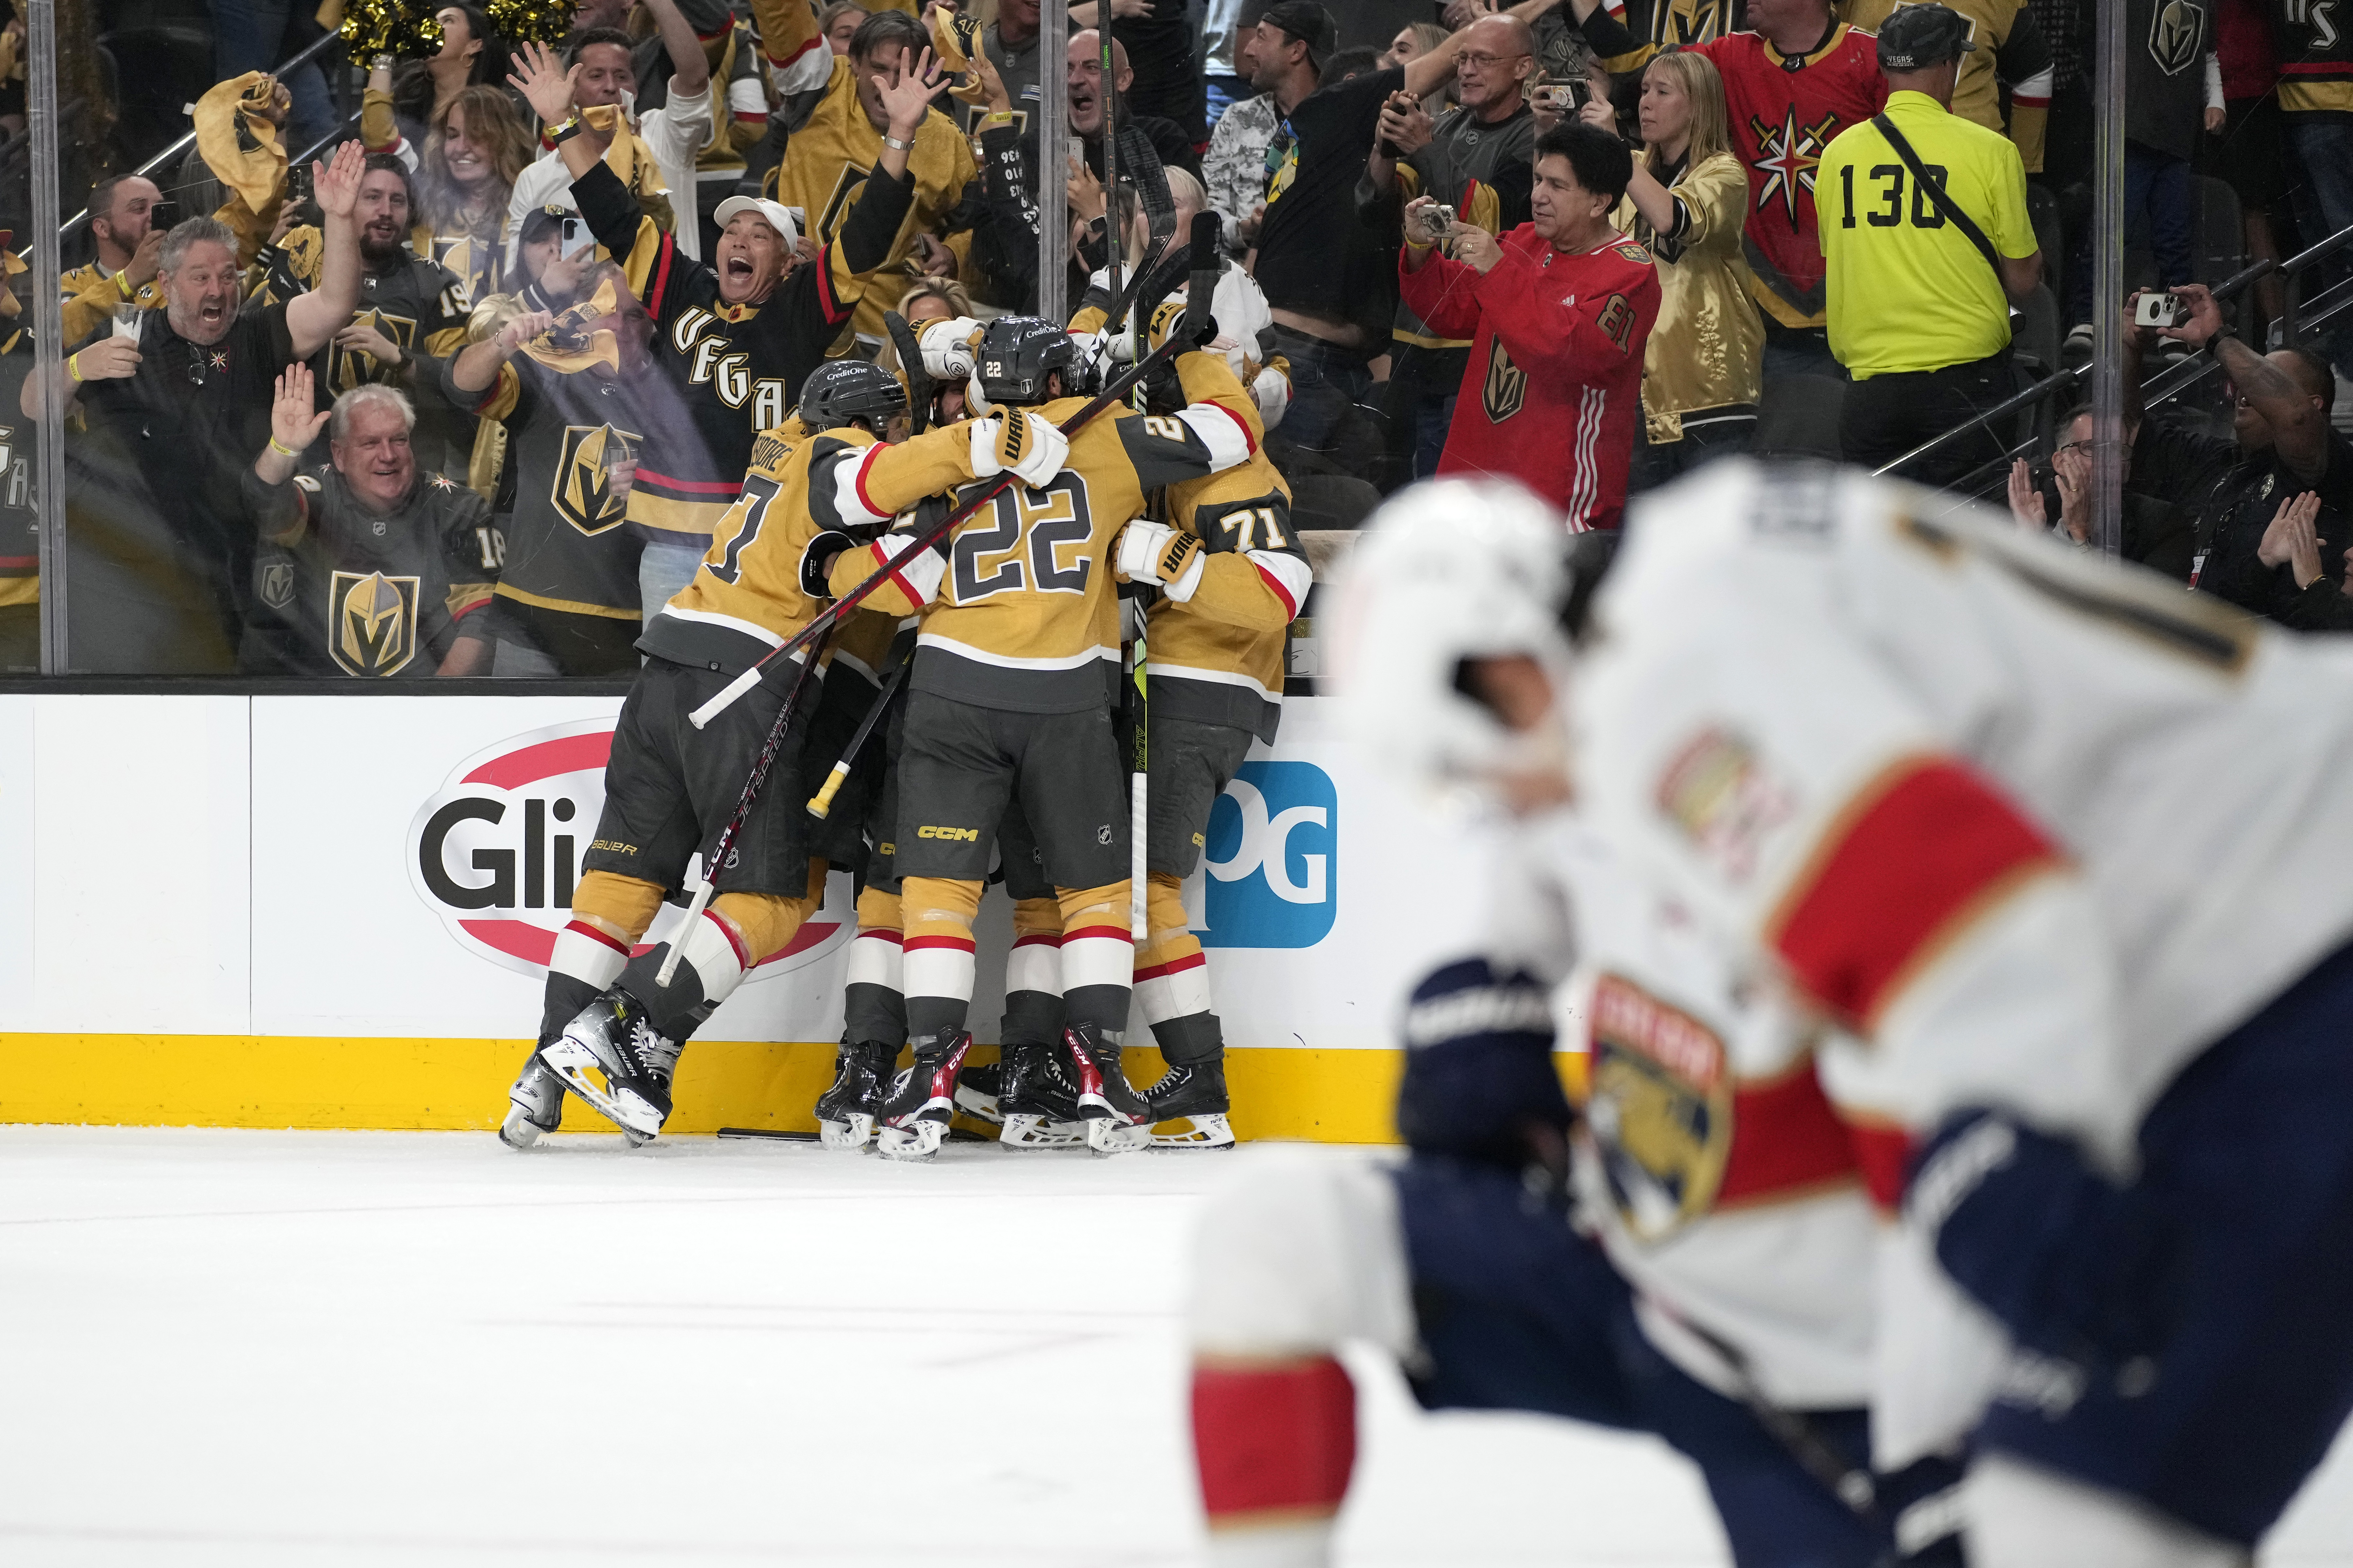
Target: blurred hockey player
(1687, 1252)
(1010, 700)
(609, 1032)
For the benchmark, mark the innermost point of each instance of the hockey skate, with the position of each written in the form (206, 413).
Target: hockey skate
(847, 1110)
(1118, 1120)
(1039, 1108)
(915, 1119)
(1194, 1093)
(612, 1056)
(979, 1089)
(534, 1105)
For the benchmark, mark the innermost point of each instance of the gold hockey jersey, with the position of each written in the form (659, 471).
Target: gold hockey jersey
(1217, 656)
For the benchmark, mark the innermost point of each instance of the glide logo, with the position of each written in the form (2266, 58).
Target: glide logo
(1272, 858)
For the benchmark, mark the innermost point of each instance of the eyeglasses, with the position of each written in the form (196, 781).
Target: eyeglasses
(1483, 61)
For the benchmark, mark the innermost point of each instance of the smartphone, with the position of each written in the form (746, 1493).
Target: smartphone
(1562, 97)
(164, 215)
(2160, 310)
(578, 240)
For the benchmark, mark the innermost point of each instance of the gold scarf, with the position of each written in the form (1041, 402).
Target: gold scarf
(238, 145)
(572, 344)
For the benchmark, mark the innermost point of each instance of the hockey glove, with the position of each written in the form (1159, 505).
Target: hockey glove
(1479, 1075)
(1025, 444)
(817, 562)
(950, 347)
(2072, 1265)
(919, 579)
(1155, 552)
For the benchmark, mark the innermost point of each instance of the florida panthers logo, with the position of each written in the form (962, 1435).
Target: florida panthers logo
(594, 476)
(1660, 1108)
(372, 623)
(1506, 392)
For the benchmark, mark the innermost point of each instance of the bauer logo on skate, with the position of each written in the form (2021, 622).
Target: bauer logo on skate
(1272, 858)
(497, 849)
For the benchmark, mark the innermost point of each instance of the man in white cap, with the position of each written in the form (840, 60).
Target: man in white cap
(737, 335)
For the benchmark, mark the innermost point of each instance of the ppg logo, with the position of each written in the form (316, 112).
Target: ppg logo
(1271, 858)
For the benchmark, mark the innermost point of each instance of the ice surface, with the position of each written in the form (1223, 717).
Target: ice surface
(322, 1348)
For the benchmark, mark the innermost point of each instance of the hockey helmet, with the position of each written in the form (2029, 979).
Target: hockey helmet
(1447, 572)
(851, 390)
(1016, 355)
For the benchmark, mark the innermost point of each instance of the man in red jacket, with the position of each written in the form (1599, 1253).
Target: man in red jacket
(1559, 310)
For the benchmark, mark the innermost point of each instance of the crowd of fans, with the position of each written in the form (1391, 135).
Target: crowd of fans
(1586, 244)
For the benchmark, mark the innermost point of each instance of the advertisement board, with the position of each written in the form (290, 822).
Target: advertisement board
(353, 898)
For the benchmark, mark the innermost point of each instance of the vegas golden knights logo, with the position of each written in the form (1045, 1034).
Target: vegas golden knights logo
(1660, 1108)
(594, 476)
(371, 622)
(348, 368)
(2174, 34)
(1506, 392)
(278, 583)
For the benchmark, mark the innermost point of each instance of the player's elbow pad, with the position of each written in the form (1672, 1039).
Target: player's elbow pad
(1478, 1064)
(2068, 1262)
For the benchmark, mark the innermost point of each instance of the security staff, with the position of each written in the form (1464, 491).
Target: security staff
(1923, 227)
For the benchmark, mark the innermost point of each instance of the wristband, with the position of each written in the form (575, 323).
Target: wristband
(565, 132)
(72, 369)
(122, 282)
(896, 145)
(282, 448)
(998, 117)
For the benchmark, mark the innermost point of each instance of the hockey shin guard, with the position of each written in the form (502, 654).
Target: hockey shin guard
(1276, 1442)
(873, 1003)
(1172, 980)
(1033, 975)
(1098, 958)
(937, 968)
(609, 914)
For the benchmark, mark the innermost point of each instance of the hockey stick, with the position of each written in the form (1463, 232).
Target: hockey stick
(717, 860)
(1114, 245)
(824, 621)
(910, 365)
(822, 801)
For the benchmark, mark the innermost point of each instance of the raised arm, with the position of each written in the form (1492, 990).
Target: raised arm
(690, 67)
(2299, 427)
(476, 365)
(315, 317)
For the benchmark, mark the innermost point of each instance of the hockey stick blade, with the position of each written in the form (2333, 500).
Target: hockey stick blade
(910, 364)
(824, 619)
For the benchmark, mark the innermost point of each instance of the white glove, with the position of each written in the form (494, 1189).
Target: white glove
(1147, 552)
(1024, 443)
(920, 576)
(948, 347)
(1272, 390)
(1141, 544)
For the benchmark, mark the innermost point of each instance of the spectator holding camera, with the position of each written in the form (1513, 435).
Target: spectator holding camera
(366, 568)
(1685, 200)
(1923, 226)
(1559, 312)
(1475, 161)
(2281, 450)
(130, 243)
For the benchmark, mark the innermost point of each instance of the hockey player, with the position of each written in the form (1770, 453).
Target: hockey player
(1688, 1252)
(609, 1029)
(2065, 852)
(733, 337)
(1010, 700)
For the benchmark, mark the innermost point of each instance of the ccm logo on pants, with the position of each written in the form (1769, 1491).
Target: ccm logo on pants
(1272, 858)
(954, 835)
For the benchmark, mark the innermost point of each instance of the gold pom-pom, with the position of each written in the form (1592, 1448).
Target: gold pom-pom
(372, 28)
(530, 21)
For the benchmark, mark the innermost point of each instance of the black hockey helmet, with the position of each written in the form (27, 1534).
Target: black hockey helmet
(1017, 352)
(845, 391)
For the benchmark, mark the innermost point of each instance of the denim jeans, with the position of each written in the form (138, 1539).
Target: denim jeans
(2160, 185)
(2324, 205)
(254, 36)
(1325, 380)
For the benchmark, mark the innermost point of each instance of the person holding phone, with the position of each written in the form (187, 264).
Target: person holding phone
(125, 216)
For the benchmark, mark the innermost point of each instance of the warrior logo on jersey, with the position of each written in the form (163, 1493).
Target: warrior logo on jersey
(594, 476)
(1786, 156)
(1506, 392)
(1660, 1107)
(1717, 792)
(2175, 33)
(278, 583)
(370, 622)
(348, 368)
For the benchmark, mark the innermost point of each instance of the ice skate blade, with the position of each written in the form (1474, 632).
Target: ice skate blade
(974, 1103)
(583, 1074)
(1106, 1137)
(914, 1143)
(1204, 1133)
(850, 1135)
(518, 1130)
(1024, 1131)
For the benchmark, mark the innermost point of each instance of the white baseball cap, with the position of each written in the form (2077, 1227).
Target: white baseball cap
(778, 217)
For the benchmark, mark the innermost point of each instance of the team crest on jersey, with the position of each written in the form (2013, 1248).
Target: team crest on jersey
(1506, 392)
(593, 477)
(1689, 21)
(277, 587)
(1717, 790)
(1660, 1107)
(1786, 156)
(371, 622)
(2174, 33)
(348, 368)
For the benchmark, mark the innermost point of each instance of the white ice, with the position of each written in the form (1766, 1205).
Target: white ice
(286, 1348)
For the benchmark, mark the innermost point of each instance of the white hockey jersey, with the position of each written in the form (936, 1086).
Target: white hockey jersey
(2033, 828)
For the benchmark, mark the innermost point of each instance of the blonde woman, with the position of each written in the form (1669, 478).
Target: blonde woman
(1686, 202)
